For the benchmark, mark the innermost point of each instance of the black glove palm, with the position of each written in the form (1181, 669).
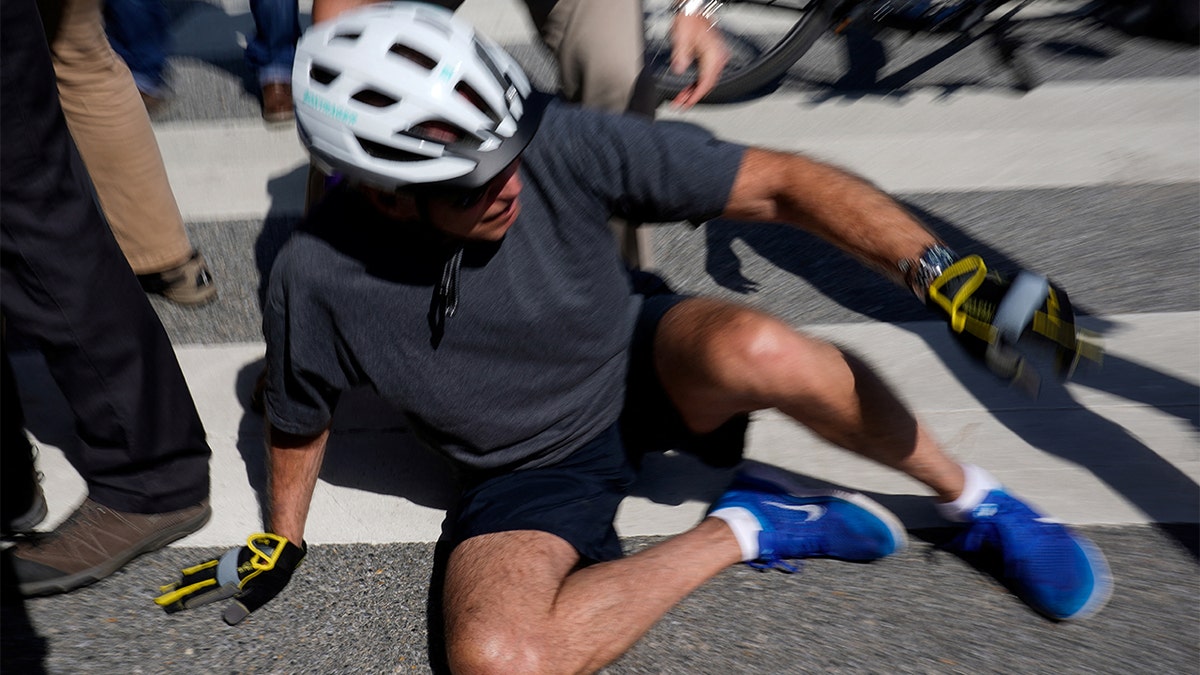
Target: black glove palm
(1004, 322)
(251, 574)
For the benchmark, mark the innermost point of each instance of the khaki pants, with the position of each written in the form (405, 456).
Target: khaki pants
(598, 45)
(109, 123)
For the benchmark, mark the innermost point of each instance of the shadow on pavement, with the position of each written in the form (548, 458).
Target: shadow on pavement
(369, 449)
(356, 457)
(1108, 450)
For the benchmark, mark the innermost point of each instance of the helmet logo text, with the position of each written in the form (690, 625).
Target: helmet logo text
(327, 107)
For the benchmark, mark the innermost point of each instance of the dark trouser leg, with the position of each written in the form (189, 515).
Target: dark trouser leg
(67, 286)
(19, 490)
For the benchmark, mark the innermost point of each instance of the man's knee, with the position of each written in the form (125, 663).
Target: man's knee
(481, 649)
(738, 351)
(735, 341)
(758, 352)
(497, 599)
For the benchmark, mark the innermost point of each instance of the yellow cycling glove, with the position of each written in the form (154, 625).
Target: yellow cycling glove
(250, 574)
(1009, 323)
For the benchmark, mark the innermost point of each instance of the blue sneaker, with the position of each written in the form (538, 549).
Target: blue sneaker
(807, 523)
(1059, 573)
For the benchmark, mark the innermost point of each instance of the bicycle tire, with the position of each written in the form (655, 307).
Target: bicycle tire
(758, 57)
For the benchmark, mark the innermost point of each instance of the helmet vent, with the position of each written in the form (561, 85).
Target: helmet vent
(423, 60)
(490, 63)
(350, 35)
(374, 98)
(381, 151)
(322, 75)
(472, 96)
(439, 132)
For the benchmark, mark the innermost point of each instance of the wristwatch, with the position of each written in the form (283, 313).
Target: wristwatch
(921, 272)
(704, 8)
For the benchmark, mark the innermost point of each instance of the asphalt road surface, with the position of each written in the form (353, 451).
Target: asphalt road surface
(1093, 177)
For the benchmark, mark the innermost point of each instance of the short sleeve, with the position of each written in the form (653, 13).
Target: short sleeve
(304, 373)
(644, 170)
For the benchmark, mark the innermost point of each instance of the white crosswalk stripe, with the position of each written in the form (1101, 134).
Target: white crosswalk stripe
(1063, 135)
(344, 513)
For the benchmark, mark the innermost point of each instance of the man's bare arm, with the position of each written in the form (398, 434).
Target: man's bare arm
(833, 204)
(293, 464)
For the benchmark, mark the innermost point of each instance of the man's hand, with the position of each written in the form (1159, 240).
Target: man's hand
(250, 574)
(1004, 322)
(694, 40)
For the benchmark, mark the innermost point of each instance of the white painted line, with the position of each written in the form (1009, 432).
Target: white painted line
(234, 170)
(378, 487)
(1059, 135)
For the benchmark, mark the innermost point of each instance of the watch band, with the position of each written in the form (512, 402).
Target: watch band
(921, 272)
(704, 8)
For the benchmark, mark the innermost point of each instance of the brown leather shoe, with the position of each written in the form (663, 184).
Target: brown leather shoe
(95, 541)
(188, 284)
(277, 102)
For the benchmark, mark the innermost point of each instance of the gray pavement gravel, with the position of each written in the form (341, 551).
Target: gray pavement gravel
(363, 608)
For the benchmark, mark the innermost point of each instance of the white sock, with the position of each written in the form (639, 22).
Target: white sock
(976, 485)
(745, 529)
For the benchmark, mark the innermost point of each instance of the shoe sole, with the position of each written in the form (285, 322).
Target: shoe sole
(1103, 583)
(770, 475)
(191, 298)
(93, 574)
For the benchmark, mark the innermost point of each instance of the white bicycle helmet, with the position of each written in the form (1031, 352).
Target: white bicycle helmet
(404, 94)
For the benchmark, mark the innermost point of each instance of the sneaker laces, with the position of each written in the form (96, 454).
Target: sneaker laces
(775, 563)
(774, 559)
(1000, 531)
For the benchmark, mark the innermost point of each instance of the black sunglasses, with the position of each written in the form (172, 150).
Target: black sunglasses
(467, 198)
(463, 198)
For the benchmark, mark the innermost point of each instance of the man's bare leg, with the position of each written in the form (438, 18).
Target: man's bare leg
(717, 359)
(518, 602)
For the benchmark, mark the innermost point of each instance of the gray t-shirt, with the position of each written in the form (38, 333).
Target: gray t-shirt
(531, 364)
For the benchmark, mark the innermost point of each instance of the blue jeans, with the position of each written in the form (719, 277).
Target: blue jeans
(271, 52)
(139, 31)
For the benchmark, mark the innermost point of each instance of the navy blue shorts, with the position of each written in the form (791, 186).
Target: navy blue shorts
(577, 499)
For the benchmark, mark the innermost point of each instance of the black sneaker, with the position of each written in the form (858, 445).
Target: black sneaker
(22, 502)
(26, 512)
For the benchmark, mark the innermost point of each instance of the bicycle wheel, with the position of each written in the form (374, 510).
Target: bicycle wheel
(764, 37)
